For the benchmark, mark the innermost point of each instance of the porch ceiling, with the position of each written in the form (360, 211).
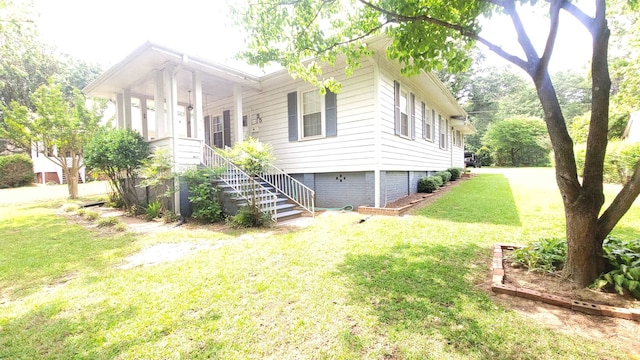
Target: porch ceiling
(137, 72)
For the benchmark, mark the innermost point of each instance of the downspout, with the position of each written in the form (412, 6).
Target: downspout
(378, 136)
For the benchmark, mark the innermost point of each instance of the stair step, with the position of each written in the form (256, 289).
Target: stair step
(288, 215)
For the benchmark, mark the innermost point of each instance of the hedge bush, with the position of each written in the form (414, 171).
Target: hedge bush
(15, 170)
(444, 175)
(619, 160)
(429, 184)
(455, 173)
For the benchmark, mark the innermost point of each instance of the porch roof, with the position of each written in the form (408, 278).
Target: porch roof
(136, 72)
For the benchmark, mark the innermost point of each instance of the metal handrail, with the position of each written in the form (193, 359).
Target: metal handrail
(243, 184)
(290, 187)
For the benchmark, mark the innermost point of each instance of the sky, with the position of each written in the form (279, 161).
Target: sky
(106, 31)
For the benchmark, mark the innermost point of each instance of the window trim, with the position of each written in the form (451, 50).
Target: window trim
(323, 111)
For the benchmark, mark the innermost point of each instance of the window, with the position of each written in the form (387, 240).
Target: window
(443, 132)
(315, 115)
(218, 137)
(311, 114)
(427, 123)
(404, 114)
(457, 138)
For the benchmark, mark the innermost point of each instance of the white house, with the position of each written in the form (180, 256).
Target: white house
(48, 171)
(367, 145)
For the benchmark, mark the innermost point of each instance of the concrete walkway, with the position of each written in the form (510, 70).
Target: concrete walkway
(42, 193)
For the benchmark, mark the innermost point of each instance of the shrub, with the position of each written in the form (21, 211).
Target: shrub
(118, 154)
(546, 255)
(120, 226)
(81, 212)
(108, 221)
(624, 258)
(203, 196)
(15, 170)
(153, 210)
(428, 184)
(91, 215)
(247, 218)
(619, 162)
(444, 175)
(455, 173)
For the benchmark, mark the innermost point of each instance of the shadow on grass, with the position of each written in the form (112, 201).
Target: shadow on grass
(484, 199)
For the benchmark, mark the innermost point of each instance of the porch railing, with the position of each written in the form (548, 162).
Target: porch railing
(290, 187)
(243, 184)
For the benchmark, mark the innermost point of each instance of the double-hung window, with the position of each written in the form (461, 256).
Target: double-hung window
(443, 132)
(311, 113)
(404, 113)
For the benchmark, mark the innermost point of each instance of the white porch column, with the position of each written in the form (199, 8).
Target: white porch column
(237, 101)
(143, 117)
(198, 108)
(120, 110)
(171, 96)
(161, 129)
(127, 108)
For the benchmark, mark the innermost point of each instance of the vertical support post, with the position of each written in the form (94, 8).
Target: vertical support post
(143, 117)
(198, 107)
(171, 95)
(161, 129)
(127, 108)
(237, 97)
(120, 110)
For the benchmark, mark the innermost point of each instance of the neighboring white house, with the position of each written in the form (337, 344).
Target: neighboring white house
(632, 131)
(48, 171)
(367, 145)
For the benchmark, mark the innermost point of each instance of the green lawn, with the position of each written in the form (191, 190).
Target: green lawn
(398, 288)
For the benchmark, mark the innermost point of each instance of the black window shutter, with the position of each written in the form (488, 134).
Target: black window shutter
(226, 123)
(396, 103)
(331, 113)
(292, 106)
(207, 130)
(413, 117)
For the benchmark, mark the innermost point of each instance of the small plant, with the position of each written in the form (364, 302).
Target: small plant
(444, 175)
(120, 226)
(153, 210)
(547, 255)
(71, 207)
(455, 173)
(624, 258)
(81, 212)
(246, 218)
(91, 215)
(429, 184)
(108, 221)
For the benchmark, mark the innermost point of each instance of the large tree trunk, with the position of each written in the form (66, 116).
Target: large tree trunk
(584, 256)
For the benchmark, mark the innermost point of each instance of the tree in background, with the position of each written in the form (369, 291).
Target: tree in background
(26, 63)
(426, 35)
(518, 142)
(58, 129)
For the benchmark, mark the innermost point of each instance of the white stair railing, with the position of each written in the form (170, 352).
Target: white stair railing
(290, 187)
(245, 186)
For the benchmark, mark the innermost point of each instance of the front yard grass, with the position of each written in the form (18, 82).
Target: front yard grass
(397, 288)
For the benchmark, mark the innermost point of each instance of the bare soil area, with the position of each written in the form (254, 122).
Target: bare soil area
(622, 332)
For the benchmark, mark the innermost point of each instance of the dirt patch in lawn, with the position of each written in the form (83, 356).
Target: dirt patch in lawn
(622, 332)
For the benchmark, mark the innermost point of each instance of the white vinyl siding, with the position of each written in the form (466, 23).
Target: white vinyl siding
(353, 147)
(397, 154)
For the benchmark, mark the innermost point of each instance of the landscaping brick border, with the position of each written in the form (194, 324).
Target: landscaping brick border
(499, 287)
